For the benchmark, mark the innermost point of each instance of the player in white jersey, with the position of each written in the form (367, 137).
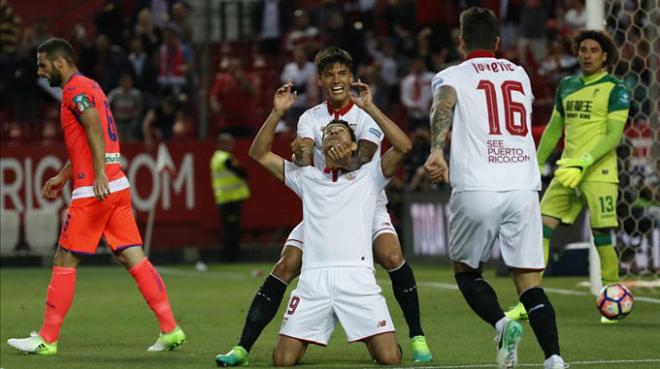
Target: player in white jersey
(335, 77)
(337, 279)
(495, 180)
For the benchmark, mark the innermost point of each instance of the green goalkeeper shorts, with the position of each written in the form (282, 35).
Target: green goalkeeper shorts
(565, 203)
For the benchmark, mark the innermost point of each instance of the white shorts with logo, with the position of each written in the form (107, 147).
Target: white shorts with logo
(327, 295)
(479, 218)
(382, 224)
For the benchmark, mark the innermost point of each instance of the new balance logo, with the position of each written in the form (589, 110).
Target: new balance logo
(382, 323)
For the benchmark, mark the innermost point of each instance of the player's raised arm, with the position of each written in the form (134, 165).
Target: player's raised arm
(94, 130)
(442, 115)
(401, 144)
(260, 150)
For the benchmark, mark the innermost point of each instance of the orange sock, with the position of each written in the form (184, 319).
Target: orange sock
(153, 289)
(58, 301)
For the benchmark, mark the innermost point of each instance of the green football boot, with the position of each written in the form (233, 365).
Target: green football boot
(33, 344)
(168, 341)
(517, 312)
(238, 356)
(420, 350)
(507, 345)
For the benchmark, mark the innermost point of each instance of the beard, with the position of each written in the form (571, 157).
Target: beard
(55, 79)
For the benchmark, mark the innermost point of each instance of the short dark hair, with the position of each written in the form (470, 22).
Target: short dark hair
(479, 28)
(604, 40)
(341, 123)
(330, 56)
(55, 47)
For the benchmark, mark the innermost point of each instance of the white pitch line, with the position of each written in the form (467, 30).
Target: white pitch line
(572, 363)
(559, 291)
(442, 285)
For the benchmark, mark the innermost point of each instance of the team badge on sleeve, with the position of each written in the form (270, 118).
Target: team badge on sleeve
(375, 132)
(82, 102)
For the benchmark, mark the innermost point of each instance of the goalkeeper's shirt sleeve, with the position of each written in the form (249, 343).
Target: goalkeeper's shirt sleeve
(550, 137)
(616, 121)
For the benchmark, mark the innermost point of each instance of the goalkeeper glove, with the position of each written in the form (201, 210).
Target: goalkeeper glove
(570, 171)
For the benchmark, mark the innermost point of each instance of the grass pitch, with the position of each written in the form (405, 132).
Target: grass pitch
(110, 326)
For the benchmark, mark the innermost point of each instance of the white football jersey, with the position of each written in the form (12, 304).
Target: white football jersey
(338, 213)
(492, 148)
(312, 122)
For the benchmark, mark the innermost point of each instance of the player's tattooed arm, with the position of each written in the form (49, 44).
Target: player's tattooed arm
(365, 152)
(442, 115)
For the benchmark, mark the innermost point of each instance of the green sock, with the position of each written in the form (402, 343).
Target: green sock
(609, 261)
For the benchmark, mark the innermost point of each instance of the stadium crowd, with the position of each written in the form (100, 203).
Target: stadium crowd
(145, 55)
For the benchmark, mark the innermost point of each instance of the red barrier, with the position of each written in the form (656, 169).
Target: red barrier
(185, 210)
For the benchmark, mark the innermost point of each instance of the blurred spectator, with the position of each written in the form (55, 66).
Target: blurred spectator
(50, 133)
(347, 36)
(147, 31)
(303, 34)
(174, 58)
(302, 73)
(421, 142)
(109, 21)
(158, 124)
(321, 14)
(559, 62)
(380, 90)
(575, 17)
(401, 18)
(143, 67)
(269, 23)
(10, 33)
(105, 63)
(160, 10)
(230, 189)
(233, 99)
(510, 11)
(535, 14)
(382, 51)
(416, 94)
(181, 17)
(126, 103)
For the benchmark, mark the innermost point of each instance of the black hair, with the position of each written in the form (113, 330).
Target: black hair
(603, 39)
(330, 56)
(479, 28)
(56, 47)
(341, 123)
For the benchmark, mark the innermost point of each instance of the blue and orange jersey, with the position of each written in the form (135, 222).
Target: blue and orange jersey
(80, 93)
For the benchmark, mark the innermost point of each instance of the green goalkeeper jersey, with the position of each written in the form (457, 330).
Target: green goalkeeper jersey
(585, 105)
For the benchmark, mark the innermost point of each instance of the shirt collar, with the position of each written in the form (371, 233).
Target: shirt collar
(335, 173)
(71, 77)
(480, 54)
(593, 78)
(340, 112)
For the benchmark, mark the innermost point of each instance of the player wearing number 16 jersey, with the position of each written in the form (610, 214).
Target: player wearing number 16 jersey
(100, 204)
(495, 182)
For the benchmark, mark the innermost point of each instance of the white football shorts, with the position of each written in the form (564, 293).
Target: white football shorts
(382, 224)
(327, 295)
(478, 218)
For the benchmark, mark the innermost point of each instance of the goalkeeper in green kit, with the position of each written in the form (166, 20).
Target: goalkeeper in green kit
(591, 109)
